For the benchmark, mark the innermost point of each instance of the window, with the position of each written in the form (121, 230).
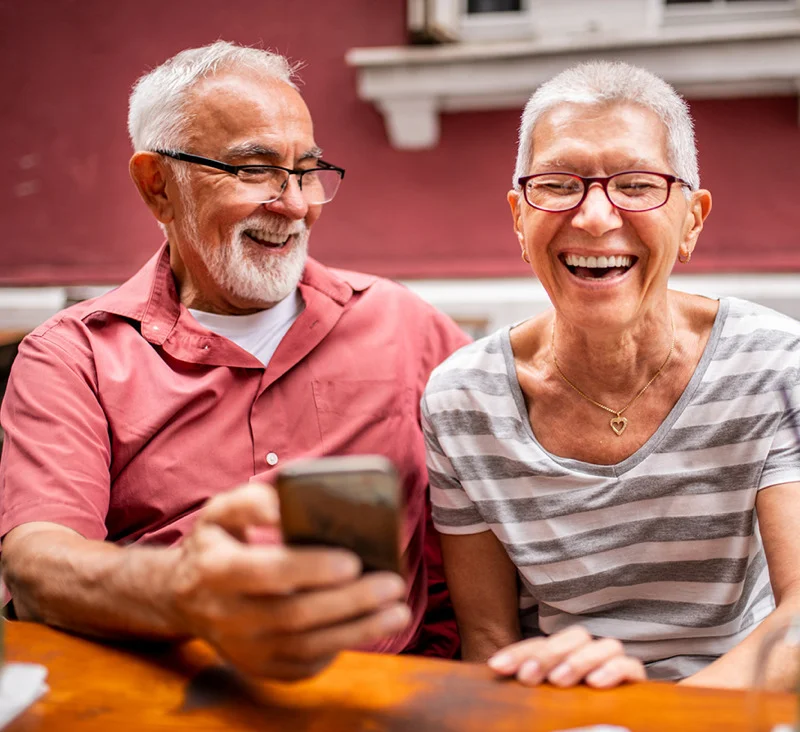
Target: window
(493, 6)
(496, 20)
(500, 50)
(717, 11)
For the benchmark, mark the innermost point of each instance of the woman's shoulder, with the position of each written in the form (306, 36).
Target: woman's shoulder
(765, 338)
(472, 365)
(746, 316)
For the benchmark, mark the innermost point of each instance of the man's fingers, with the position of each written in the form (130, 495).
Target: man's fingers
(224, 564)
(308, 611)
(354, 634)
(254, 504)
(617, 671)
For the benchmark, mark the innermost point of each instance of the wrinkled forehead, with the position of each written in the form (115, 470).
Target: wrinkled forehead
(623, 129)
(233, 109)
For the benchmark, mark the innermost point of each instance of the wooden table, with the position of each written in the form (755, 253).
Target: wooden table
(96, 687)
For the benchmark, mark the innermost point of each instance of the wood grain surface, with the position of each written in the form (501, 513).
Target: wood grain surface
(97, 687)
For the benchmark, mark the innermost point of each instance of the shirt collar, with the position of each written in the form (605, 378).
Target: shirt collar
(151, 296)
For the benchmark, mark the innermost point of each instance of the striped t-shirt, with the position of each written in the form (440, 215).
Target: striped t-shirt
(661, 550)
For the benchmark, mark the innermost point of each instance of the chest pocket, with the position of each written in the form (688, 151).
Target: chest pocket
(366, 416)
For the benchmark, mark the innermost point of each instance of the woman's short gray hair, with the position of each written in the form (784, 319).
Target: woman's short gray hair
(156, 119)
(603, 82)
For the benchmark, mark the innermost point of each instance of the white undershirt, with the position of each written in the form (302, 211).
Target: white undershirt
(259, 333)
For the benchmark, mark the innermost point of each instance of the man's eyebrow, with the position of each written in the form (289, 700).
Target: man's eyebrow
(315, 153)
(254, 150)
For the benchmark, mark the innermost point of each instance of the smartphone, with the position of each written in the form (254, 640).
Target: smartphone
(351, 501)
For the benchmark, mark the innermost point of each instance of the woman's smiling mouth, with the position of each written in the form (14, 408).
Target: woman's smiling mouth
(598, 268)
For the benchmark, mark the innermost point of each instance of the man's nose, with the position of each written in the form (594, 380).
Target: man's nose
(597, 215)
(292, 202)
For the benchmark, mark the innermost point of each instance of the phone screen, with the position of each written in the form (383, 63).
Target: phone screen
(350, 502)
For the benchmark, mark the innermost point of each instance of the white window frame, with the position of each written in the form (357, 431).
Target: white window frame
(521, 25)
(724, 11)
(754, 52)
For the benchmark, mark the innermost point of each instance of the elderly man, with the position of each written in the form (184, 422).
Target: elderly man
(227, 355)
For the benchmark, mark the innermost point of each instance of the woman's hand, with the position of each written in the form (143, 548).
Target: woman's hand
(568, 658)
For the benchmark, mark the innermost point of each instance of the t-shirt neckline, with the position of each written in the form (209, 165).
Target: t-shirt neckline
(655, 439)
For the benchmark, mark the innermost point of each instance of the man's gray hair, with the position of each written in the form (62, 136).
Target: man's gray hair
(156, 119)
(604, 82)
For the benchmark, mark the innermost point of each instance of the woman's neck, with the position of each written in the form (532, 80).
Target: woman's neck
(614, 361)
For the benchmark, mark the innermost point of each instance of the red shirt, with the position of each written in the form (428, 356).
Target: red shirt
(123, 415)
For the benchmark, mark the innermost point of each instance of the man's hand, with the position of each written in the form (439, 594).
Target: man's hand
(568, 658)
(272, 610)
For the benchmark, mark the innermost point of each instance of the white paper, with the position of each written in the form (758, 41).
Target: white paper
(21, 684)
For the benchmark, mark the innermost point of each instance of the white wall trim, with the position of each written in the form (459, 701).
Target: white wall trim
(411, 86)
(497, 302)
(24, 308)
(493, 301)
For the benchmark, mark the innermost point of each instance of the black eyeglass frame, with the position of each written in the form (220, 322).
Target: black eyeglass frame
(234, 169)
(587, 182)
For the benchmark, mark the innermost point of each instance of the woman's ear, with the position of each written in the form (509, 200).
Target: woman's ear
(151, 176)
(516, 214)
(696, 214)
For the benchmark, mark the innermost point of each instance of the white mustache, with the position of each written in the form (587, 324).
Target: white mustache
(274, 225)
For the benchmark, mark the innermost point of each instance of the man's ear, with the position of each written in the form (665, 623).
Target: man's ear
(698, 210)
(151, 176)
(516, 214)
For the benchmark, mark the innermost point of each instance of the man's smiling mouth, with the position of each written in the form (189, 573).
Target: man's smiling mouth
(268, 239)
(598, 268)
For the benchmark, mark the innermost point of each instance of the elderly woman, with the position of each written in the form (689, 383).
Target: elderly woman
(617, 480)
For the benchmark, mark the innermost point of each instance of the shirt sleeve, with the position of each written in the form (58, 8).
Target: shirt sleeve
(454, 512)
(783, 460)
(56, 451)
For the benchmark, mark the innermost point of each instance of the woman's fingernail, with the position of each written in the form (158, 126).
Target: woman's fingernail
(530, 672)
(560, 674)
(600, 677)
(502, 663)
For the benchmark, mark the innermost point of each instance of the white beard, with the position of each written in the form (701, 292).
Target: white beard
(250, 271)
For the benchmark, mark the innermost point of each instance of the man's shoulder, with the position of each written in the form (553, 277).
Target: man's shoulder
(383, 293)
(71, 319)
(362, 282)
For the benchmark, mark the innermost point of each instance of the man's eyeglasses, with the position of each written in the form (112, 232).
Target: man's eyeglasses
(266, 183)
(632, 190)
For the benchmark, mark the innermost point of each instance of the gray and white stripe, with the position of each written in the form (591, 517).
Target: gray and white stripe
(661, 550)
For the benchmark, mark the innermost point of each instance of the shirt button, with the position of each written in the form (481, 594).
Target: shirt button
(272, 458)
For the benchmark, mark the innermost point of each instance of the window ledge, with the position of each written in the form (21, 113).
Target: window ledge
(411, 86)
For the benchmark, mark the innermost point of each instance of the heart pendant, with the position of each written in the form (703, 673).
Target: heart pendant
(618, 424)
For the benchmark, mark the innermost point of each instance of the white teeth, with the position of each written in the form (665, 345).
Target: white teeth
(621, 260)
(268, 236)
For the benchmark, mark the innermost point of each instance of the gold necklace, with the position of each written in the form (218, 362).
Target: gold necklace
(618, 422)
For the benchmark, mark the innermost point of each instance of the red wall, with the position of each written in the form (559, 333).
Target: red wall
(71, 215)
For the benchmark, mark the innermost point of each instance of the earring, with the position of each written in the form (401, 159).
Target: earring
(525, 257)
(686, 259)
